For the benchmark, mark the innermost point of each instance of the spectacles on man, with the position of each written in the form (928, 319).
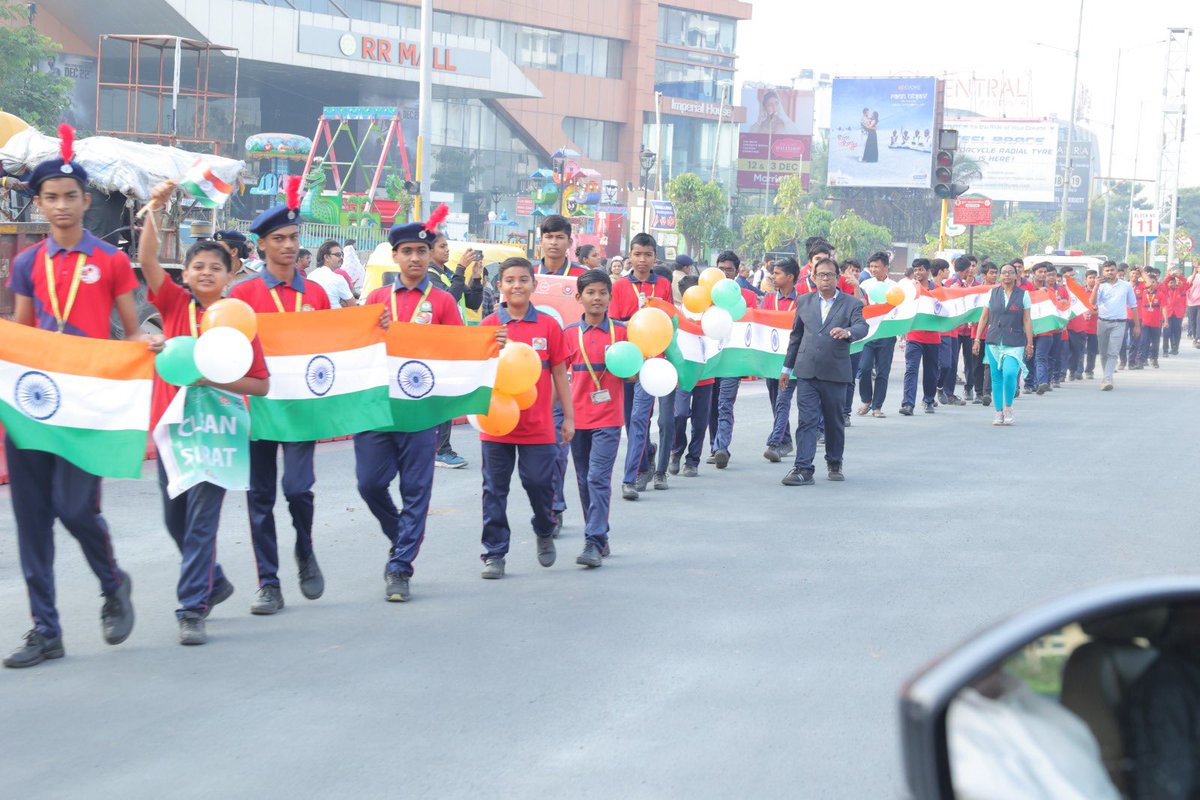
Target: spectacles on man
(824, 275)
(338, 254)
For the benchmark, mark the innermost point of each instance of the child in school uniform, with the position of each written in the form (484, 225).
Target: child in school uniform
(530, 447)
(193, 517)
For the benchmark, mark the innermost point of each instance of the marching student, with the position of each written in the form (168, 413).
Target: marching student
(1039, 379)
(468, 294)
(1174, 302)
(530, 447)
(70, 283)
(281, 288)
(696, 406)
(1151, 315)
(382, 455)
(876, 364)
(192, 518)
(726, 391)
(597, 397)
(630, 294)
(920, 352)
(784, 274)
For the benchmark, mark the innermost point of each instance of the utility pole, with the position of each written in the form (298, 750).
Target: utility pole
(1066, 189)
(1137, 149)
(425, 107)
(1173, 120)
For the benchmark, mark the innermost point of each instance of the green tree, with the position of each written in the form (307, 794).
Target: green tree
(39, 98)
(700, 209)
(853, 236)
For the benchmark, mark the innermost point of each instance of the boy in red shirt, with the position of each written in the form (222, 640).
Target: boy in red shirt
(1173, 293)
(598, 398)
(193, 517)
(1078, 341)
(784, 275)
(1150, 312)
(530, 447)
(281, 288)
(70, 282)
(920, 353)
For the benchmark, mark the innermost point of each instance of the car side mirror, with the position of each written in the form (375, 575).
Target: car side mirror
(1081, 697)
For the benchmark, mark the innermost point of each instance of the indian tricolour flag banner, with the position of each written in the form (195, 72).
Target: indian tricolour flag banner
(942, 310)
(86, 400)
(1080, 299)
(204, 437)
(204, 185)
(1048, 312)
(329, 375)
(439, 372)
(755, 348)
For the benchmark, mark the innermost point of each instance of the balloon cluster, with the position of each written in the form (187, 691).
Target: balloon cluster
(880, 294)
(650, 331)
(220, 354)
(719, 302)
(515, 391)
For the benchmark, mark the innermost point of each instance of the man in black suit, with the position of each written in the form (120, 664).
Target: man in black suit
(827, 320)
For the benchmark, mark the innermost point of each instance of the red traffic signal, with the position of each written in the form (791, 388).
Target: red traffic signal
(945, 158)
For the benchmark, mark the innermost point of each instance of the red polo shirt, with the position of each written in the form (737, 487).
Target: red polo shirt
(266, 293)
(104, 275)
(1149, 306)
(596, 341)
(1174, 300)
(172, 302)
(924, 337)
(567, 270)
(543, 333)
(630, 294)
(774, 301)
(412, 305)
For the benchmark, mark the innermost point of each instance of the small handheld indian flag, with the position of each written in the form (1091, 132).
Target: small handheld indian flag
(203, 184)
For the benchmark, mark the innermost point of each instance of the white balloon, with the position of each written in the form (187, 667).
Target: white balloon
(223, 355)
(474, 422)
(717, 323)
(658, 377)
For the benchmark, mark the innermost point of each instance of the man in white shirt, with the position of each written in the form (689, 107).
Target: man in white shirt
(334, 285)
(876, 363)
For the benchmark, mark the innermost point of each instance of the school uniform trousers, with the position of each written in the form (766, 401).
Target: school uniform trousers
(638, 412)
(535, 465)
(560, 461)
(874, 369)
(781, 403)
(298, 480)
(379, 458)
(921, 356)
(1043, 347)
(192, 520)
(726, 394)
(594, 452)
(695, 405)
(45, 487)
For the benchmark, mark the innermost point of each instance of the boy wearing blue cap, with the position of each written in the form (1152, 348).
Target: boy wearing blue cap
(281, 288)
(69, 283)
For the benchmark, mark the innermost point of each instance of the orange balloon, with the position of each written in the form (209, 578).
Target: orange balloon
(527, 398)
(519, 369)
(662, 305)
(697, 299)
(709, 278)
(230, 313)
(502, 417)
(895, 296)
(650, 330)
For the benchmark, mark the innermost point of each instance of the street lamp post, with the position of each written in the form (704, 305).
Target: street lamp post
(1112, 131)
(648, 158)
(560, 166)
(1066, 189)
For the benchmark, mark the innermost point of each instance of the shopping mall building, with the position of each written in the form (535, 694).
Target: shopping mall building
(513, 81)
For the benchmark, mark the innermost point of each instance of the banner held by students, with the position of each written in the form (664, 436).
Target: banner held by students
(439, 372)
(204, 437)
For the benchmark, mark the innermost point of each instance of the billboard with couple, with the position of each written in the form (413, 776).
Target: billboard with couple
(882, 132)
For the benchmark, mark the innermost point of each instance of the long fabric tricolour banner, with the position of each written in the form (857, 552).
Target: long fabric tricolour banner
(755, 348)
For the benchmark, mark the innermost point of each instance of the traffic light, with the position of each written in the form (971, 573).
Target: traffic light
(943, 167)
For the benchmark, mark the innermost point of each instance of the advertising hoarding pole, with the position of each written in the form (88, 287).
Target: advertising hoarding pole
(767, 186)
(971, 240)
(425, 106)
(1066, 189)
(942, 227)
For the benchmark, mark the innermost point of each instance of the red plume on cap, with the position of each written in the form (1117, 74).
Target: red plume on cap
(66, 147)
(437, 218)
(291, 189)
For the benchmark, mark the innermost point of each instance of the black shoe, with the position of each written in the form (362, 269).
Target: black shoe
(835, 473)
(906, 411)
(969, 395)
(37, 648)
(660, 480)
(798, 478)
(116, 615)
(590, 557)
(395, 587)
(643, 480)
(545, 551)
(1091, 376)
(955, 400)
(268, 600)
(220, 593)
(985, 399)
(493, 568)
(312, 582)
(772, 454)
(191, 630)
(629, 491)
(673, 467)
(1042, 388)
(690, 471)
(941, 397)
(557, 529)
(721, 459)
(929, 408)
(712, 459)
(1154, 363)
(786, 449)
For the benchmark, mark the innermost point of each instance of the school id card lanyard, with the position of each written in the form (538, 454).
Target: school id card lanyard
(277, 295)
(600, 395)
(60, 316)
(422, 305)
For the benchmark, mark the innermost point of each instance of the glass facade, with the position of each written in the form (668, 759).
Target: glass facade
(596, 139)
(474, 150)
(690, 81)
(677, 26)
(686, 144)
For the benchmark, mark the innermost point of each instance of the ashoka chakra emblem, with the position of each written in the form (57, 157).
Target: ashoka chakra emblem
(774, 340)
(37, 395)
(415, 379)
(749, 335)
(319, 375)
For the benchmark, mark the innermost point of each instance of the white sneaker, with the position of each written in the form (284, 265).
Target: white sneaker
(999, 420)
(1008, 416)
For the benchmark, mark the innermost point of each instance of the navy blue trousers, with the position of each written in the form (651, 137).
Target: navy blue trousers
(638, 411)
(595, 454)
(948, 364)
(874, 370)
(535, 464)
(781, 402)
(298, 480)
(378, 458)
(695, 405)
(816, 398)
(727, 392)
(922, 356)
(1043, 346)
(855, 363)
(192, 519)
(45, 487)
(560, 461)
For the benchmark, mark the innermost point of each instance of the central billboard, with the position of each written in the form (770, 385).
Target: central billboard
(882, 132)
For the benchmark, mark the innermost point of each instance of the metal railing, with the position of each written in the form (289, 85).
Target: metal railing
(312, 234)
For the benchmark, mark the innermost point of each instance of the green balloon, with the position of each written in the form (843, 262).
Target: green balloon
(878, 294)
(739, 308)
(726, 294)
(623, 359)
(176, 364)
